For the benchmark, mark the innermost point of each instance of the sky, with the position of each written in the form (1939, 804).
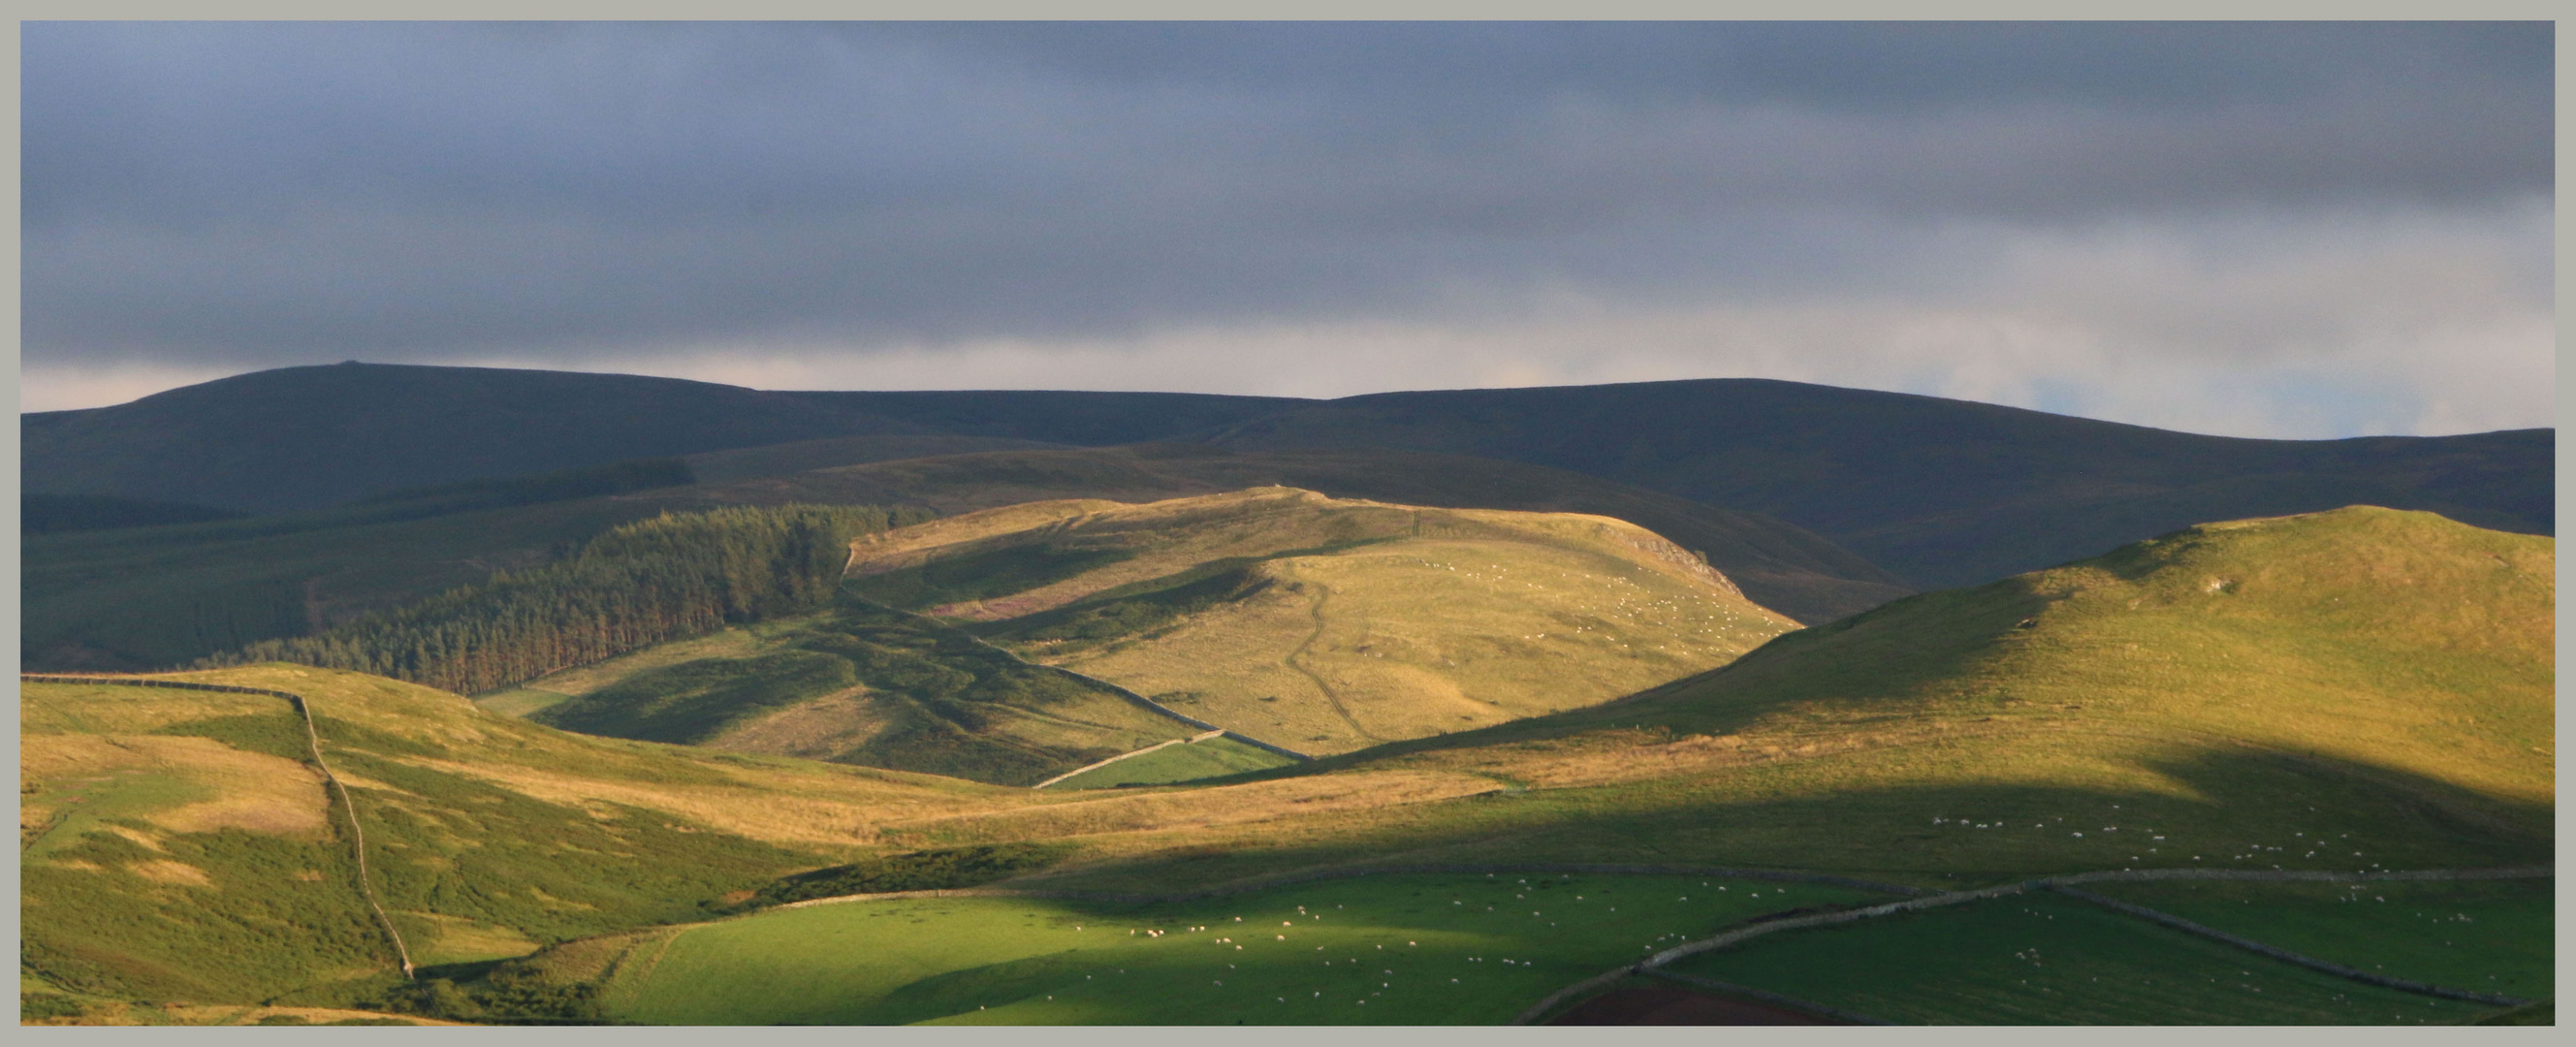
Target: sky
(2274, 230)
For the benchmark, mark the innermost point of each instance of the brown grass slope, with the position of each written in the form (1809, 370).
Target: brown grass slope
(1325, 624)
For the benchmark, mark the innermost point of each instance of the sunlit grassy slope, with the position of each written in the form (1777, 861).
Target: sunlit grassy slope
(2341, 690)
(176, 845)
(1325, 624)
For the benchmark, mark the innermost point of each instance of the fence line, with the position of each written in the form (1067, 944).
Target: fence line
(312, 739)
(2250, 945)
(2063, 884)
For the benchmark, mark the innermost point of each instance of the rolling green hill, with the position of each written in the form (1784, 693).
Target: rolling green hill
(178, 845)
(2362, 689)
(2352, 689)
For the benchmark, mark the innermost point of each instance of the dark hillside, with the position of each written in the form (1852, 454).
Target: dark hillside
(304, 437)
(1944, 492)
(1941, 492)
(61, 513)
(1089, 419)
(667, 578)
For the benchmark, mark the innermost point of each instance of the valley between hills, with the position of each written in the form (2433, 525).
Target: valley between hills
(925, 708)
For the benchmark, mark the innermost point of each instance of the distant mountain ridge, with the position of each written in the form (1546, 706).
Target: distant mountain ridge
(1941, 492)
(307, 437)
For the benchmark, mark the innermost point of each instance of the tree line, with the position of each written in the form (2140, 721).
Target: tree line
(668, 578)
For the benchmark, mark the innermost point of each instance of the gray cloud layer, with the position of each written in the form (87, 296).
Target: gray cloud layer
(233, 196)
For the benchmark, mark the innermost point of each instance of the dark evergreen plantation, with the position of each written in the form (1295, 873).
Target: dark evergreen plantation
(666, 578)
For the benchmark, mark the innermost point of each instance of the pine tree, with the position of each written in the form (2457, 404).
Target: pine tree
(667, 578)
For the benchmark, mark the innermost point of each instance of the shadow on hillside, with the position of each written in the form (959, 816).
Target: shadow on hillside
(2251, 810)
(1877, 654)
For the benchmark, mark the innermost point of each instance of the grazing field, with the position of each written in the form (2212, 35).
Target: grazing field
(2041, 958)
(2489, 936)
(1376, 950)
(1211, 758)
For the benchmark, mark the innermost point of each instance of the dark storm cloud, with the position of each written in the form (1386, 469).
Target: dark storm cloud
(256, 194)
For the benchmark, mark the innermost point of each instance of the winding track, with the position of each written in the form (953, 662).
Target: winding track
(312, 740)
(1316, 611)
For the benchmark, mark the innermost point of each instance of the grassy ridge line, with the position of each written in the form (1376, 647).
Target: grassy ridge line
(313, 739)
(1688, 949)
(2250, 945)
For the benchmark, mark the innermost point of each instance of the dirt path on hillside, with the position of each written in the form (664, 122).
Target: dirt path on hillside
(1317, 611)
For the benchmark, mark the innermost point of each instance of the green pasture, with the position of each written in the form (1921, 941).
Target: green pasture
(1191, 761)
(2491, 936)
(1376, 950)
(2043, 958)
